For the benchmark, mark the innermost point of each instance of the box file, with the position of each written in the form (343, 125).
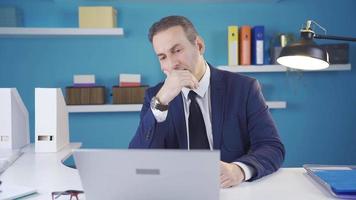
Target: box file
(97, 17)
(51, 120)
(233, 45)
(14, 120)
(10, 16)
(338, 53)
(128, 95)
(85, 95)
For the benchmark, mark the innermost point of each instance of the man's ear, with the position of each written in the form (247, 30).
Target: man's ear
(201, 45)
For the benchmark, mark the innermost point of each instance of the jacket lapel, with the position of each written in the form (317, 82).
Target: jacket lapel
(179, 121)
(217, 105)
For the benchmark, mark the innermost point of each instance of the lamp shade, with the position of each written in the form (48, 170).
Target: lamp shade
(304, 55)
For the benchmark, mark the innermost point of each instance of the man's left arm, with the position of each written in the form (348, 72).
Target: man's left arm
(266, 153)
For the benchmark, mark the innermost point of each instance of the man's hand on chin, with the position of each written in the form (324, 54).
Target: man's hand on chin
(230, 174)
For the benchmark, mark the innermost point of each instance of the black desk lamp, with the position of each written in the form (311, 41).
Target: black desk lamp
(306, 54)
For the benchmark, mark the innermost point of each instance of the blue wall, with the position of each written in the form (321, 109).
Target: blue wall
(319, 125)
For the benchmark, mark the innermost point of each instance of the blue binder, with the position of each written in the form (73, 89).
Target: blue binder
(339, 180)
(258, 34)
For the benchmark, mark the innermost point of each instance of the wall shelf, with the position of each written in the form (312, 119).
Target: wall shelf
(277, 104)
(187, 1)
(278, 68)
(105, 108)
(137, 107)
(57, 32)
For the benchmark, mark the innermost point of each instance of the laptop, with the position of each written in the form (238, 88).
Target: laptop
(149, 174)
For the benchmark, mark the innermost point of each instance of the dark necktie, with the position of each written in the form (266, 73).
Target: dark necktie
(197, 131)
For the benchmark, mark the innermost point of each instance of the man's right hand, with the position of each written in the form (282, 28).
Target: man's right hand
(175, 81)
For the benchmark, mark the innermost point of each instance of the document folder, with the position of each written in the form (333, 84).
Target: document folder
(14, 120)
(51, 120)
(338, 180)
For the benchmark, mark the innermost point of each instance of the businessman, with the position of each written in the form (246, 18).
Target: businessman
(201, 107)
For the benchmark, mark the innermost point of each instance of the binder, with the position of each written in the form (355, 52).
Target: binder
(51, 120)
(338, 180)
(245, 45)
(233, 45)
(258, 45)
(14, 120)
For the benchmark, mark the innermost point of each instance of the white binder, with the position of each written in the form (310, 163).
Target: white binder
(51, 120)
(14, 121)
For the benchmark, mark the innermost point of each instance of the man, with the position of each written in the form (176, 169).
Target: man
(200, 107)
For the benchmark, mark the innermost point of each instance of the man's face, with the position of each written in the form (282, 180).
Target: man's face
(176, 52)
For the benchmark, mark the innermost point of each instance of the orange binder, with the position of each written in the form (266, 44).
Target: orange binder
(245, 45)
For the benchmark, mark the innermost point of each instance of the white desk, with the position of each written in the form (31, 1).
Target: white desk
(45, 172)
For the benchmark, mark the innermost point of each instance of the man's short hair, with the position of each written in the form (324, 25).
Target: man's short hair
(170, 21)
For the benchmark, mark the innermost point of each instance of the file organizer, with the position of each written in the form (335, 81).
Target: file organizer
(51, 120)
(14, 121)
(338, 180)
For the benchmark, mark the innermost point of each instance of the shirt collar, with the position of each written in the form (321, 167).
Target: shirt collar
(203, 84)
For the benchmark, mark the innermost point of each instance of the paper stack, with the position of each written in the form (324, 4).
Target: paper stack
(130, 80)
(84, 80)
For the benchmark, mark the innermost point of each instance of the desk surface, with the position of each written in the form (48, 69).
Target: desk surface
(46, 173)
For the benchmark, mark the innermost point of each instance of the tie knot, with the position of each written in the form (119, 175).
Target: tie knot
(192, 95)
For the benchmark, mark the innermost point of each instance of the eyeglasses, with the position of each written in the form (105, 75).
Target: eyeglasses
(72, 193)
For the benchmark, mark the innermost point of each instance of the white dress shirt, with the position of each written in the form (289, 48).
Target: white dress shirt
(203, 99)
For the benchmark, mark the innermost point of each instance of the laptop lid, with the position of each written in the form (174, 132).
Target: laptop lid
(148, 174)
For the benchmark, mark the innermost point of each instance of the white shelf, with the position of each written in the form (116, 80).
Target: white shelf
(105, 108)
(278, 68)
(277, 104)
(137, 107)
(20, 32)
(187, 1)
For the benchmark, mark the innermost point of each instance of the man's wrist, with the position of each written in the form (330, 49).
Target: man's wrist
(242, 171)
(157, 105)
(248, 171)
(161, 99)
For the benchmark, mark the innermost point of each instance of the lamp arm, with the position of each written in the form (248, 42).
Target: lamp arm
(332, 37)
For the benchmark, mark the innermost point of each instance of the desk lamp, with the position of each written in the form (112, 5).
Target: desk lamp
(306, 54)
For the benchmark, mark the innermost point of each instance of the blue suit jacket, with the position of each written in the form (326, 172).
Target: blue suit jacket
(242, 126)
